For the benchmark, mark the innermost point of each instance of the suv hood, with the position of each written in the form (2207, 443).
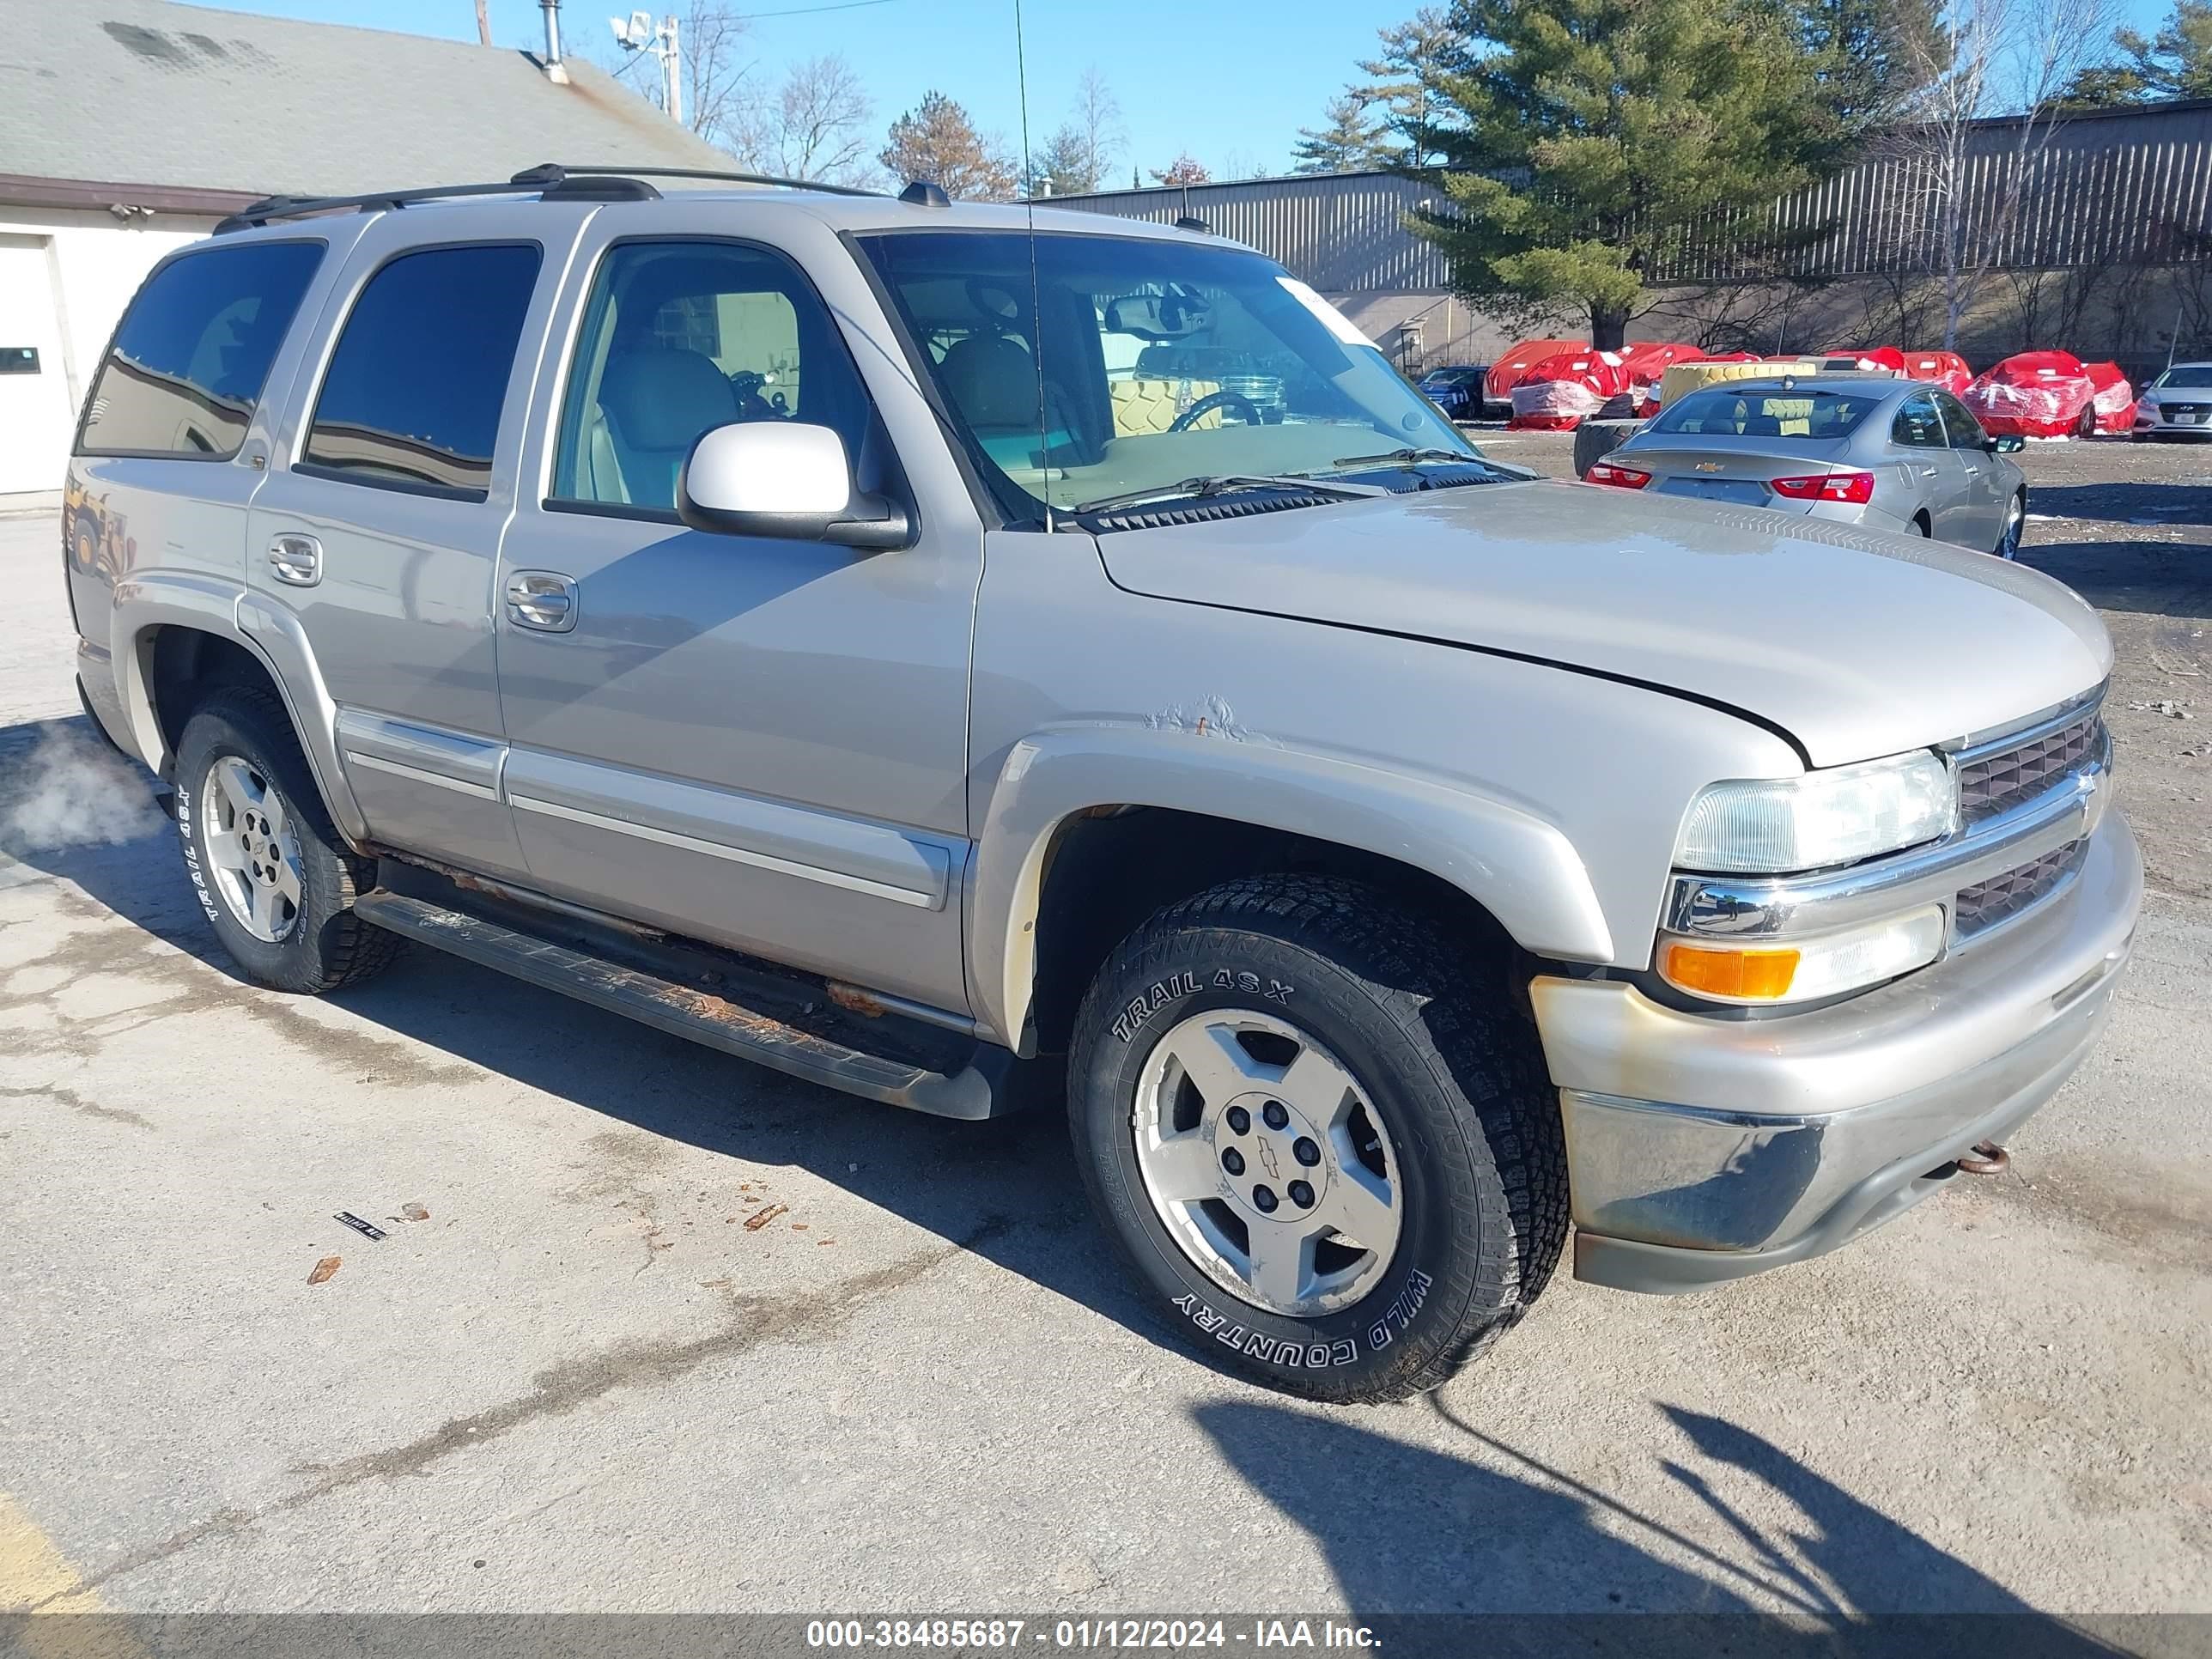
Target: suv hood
(1856, 642)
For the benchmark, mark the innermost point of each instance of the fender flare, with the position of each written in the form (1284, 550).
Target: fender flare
(1518, 866)
(266, 632)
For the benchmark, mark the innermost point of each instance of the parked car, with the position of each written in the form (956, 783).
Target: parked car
(1891, 454)
(2177, 404)
(1393, 857)
(1457, 390)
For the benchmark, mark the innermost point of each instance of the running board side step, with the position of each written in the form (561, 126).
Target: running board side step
(687, 1011)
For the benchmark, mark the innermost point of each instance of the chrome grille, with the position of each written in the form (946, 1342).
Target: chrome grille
(1997, 783)
(1982, 906)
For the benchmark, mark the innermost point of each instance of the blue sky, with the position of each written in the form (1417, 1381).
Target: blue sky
(1230, 81)
(1222, 78)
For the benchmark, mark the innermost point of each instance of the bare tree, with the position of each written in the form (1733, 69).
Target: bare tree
(1096, 125)
(815, 130)
(1969, 182)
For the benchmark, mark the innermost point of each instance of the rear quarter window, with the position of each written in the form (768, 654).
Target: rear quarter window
(191, 359)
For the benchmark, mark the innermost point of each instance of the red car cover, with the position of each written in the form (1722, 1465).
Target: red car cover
(1647, 362)
(2114, 399)
(1888, 358)
(1557, 394)
(1945, 368)
(1505, 374)
(2036, 394)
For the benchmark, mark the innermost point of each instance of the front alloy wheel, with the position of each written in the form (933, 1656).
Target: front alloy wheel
(1317, 1130)
(1267, 1162)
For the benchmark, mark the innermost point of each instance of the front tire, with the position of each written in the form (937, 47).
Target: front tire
(273, 878)
(1315, 1139)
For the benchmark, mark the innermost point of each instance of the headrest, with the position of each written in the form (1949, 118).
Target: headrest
(994, 382)
(663, 396)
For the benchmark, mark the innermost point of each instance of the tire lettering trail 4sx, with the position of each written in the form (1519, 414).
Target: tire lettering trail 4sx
(1315, 1131)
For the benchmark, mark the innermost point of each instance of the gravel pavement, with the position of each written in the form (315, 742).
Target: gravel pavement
(579, 1381)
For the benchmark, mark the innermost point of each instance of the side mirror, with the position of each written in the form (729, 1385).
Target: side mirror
(2010, 444)
(778, 478)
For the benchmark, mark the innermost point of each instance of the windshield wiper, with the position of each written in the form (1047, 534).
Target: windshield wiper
(1410, 458)
(1221, 482)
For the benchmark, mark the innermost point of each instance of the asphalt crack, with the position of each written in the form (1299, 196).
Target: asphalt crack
(754, 1322)
(77, 1103)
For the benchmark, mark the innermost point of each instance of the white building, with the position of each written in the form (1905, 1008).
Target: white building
(128, 127)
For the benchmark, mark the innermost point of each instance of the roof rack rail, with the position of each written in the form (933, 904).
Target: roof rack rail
(557, 169)
(551, 181)
(552, 184)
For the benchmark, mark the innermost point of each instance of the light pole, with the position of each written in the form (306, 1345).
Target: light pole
(639, 33)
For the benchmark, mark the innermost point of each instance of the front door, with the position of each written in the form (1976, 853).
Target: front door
(380, 523)
(1987, 492)
(752, 741)
(1935, 483)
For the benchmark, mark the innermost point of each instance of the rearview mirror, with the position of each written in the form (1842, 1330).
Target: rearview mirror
(784, 479)
(2010, 444)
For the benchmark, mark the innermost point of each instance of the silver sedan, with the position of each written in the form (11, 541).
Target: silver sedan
(1894, 454)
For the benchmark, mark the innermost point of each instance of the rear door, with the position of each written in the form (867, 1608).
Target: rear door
(1934, 482)
(380, 523)
(1987, 480)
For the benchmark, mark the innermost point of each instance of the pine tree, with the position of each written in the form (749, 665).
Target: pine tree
(1588, 141)
(2177, 64)
(1403, 83)
(1352, 140)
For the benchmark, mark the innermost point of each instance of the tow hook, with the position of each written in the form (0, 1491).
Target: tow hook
(1987, 1158)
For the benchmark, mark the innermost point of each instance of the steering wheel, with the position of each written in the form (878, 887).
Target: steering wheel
(1247, 410)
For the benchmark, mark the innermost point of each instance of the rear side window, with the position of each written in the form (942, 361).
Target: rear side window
(1916, 426)
(1765, 412)
(189, 363)
(411, 399)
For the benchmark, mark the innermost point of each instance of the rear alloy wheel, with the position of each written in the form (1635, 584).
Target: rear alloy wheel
(1319, 1137)
(2015, 524)
(274, 880)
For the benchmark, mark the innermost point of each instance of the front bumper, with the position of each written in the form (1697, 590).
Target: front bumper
(1702, 1149)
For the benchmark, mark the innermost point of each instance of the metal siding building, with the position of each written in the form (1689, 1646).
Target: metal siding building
(2112, 186)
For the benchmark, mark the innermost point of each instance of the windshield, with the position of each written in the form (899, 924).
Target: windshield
(2196, 376)
(1766, 413)
(1157, 362)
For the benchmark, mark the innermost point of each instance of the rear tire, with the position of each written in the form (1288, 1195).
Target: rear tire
(2015, 524)
(275, 882)
(1398, 1136)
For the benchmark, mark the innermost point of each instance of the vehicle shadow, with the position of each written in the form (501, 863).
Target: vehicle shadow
(1006, 1189)
(1497, 1552)
(2138, 547)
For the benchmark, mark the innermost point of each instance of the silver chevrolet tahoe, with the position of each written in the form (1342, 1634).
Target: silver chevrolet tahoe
(936, 650)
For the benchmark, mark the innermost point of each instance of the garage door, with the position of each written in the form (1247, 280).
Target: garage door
(36, 416)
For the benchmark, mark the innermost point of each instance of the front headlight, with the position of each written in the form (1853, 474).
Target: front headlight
(1838, 814)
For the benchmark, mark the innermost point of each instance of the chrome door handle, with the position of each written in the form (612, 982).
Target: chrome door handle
(1928, 471)
(541, 600)
(296, 559)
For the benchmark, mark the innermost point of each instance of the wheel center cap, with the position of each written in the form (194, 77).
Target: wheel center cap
(1274, 1164)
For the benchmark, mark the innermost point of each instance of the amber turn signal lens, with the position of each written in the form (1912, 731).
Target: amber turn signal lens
(1749, 974)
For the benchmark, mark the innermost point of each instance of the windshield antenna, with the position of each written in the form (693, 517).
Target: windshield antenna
(1037, 292)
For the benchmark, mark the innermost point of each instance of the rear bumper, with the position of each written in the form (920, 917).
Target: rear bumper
(1702, 1150)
